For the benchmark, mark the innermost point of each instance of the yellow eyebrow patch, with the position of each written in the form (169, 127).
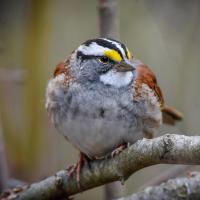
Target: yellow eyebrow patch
(113, 55)
(129, 54)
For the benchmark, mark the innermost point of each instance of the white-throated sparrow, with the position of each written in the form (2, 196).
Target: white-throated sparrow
(102, 97)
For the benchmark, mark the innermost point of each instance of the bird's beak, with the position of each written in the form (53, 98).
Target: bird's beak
(124, 66)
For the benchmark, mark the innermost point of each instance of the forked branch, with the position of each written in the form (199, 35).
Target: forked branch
(178, 188)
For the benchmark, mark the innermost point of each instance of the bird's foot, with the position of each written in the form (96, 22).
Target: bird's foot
(77, 168)
(119, 149)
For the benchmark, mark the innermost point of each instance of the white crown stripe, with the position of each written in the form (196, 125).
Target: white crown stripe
(118, 45)
(92, 49)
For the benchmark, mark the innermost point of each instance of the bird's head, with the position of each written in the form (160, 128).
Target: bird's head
(103, 60)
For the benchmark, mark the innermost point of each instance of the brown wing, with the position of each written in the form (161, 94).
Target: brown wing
(146, 76)
(63, 68)
(60, 68)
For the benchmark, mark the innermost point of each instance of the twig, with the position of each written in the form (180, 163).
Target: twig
(172, 172)
(170, 148)
(174, 189)
(108, 18)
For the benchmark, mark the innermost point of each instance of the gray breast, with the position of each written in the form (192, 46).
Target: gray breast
(97, 122)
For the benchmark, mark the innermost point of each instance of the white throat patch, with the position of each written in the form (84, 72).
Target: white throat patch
(117, 79)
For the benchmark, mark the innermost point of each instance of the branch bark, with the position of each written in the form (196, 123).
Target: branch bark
(167, 149)
(174, 189)
(172, 172)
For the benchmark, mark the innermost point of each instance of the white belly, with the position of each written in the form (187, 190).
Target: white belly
(98, 137)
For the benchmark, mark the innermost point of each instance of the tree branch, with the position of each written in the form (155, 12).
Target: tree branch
(170, 149)
(172, 172)
(179, 188)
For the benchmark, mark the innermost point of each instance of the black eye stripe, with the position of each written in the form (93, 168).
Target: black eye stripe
(86, 57)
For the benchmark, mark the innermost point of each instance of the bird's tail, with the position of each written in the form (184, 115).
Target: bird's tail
(171, 115)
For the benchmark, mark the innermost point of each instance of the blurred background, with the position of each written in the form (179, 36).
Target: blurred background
(35, 35)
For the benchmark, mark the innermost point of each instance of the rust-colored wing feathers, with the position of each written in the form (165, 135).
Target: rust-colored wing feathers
(64, 68)
(60, 68)
(146, 76)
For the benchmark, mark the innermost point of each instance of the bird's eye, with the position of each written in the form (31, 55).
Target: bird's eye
(104, 59)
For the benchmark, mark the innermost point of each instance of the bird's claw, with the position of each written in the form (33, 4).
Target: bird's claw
(119, 149)
(77, 168)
